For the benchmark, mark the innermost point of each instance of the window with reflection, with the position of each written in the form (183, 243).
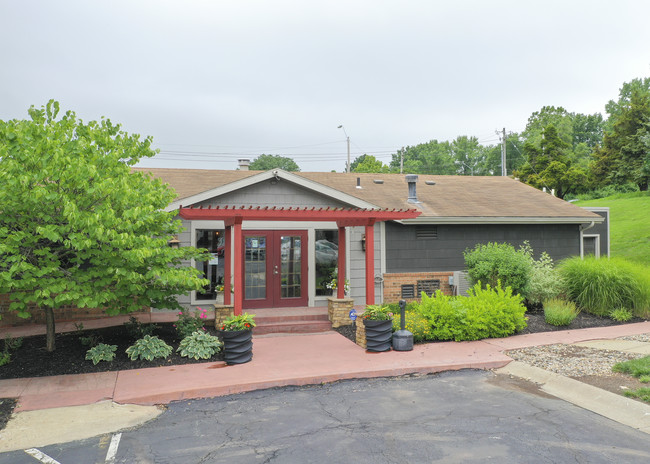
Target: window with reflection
(212, 240)
(327, 255)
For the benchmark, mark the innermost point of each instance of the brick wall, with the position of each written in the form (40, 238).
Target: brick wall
(66, 313)
(393, 284)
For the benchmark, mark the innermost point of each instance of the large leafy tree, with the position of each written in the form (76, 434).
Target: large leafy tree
(368, 163)
(78, 227)
(550, 166)
(426, 158)
(624, 156)
(266, 162)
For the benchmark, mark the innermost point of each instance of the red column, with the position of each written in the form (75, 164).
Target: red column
(370, 264)
(239, 268)
(227, 264)
(340, 286)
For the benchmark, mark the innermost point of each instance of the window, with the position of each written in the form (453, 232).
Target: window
(327, 255)
(213, 270)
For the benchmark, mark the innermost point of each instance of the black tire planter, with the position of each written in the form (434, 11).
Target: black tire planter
(237, 346)
(379, 335)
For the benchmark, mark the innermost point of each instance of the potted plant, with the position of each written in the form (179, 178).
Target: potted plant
(220, 289)
(237, 336)
(378, 322)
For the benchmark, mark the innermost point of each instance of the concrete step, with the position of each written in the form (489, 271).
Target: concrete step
(292, 327)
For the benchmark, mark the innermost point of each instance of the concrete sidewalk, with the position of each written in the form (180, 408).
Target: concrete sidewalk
(281, 361)
(277, 361)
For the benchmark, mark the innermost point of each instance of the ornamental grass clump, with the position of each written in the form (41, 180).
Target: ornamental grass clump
(199, 345)
(148, 348)
(600, 285)
(233, 323)
(559, 312)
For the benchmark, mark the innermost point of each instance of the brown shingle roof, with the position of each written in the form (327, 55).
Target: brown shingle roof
(451, 196)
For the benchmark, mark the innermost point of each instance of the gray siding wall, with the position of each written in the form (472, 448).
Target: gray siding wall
(358, 264)
(600, 229)
(406, 253)
(280, 194)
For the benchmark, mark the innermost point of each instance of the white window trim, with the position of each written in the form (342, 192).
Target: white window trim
(597, 245)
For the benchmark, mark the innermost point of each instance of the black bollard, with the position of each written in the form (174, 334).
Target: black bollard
(402, 339)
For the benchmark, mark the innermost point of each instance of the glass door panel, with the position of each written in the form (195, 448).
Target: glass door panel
(255, 264)
(290, 266)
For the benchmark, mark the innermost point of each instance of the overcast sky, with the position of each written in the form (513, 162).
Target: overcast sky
(214, 81)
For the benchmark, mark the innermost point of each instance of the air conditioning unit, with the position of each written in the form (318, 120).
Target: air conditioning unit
(460, 283)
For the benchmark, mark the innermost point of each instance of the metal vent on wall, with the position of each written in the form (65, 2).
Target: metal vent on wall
(408, 291)
(428, 286)
(430, 233)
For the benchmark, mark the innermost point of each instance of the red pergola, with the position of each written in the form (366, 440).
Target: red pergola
(344, 217)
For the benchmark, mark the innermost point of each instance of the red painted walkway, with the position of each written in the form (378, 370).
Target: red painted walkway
(281, 361)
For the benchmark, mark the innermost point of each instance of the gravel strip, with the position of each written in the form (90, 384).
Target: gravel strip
(637, 338)
(571, 360)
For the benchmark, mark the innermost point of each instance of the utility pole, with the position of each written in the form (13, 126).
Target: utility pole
(504, 171)
(348, 139)
(401, 160)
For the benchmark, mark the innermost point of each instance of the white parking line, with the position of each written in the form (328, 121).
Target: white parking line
(112, 448)
(44, 458)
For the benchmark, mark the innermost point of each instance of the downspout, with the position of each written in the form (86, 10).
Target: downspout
(582, 242)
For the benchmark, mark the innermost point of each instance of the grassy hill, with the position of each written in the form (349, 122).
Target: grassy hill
(630, 224)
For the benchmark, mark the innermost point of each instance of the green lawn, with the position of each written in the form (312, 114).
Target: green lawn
(630, 224)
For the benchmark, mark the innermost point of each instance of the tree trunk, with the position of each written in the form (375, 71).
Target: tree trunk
(51, 332)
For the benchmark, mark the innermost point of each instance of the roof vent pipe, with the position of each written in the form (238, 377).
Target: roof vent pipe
(358, 182)
(243, 164)
(412, 179)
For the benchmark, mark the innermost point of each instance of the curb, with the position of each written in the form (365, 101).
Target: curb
(615, 407)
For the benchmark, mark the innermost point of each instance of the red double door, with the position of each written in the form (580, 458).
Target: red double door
(275, 268)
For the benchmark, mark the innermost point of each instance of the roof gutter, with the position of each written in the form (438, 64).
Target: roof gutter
(502, 220)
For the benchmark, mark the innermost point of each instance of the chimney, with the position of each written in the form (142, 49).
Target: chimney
(243, 164)
(412, 179)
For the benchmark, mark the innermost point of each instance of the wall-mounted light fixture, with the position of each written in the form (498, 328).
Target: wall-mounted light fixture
(363, 242)
(174, 242)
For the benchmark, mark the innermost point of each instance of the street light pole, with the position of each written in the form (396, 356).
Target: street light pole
(348, 139)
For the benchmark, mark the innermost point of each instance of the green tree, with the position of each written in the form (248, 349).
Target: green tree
(368, 163)
(426, 158)
(624, 156)
(78, 227)
(266, 162)
(550, 166)
(469, 156)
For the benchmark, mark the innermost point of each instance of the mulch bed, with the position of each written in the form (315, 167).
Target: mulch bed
(536, 324)
(69, 357)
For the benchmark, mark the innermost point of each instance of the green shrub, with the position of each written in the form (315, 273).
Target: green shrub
(199, 345)
(416, 323)
(634, 367)
(377, 313)
(137, 329)
(598, 285)
(10, 344)
(621, 315)
(101, 352)
(148, 348)
(559, 312)
(545, 282)
(499, 262)
(485, 313)
(187, 324)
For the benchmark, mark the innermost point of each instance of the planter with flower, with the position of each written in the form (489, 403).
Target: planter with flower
(237, 335)
(378, 322)
(220, 291)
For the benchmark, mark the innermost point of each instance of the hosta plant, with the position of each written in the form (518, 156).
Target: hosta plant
(199, 345)
(101, 352)
(148, 348)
